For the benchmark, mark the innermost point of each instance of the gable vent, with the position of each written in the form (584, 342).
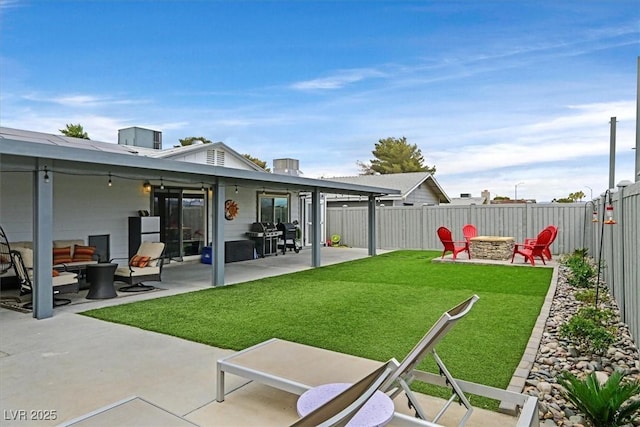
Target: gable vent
(215, 157)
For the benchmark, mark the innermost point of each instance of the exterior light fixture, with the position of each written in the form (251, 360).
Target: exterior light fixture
(202, 186)
(161, 184)
(236, 189)
(46, 175)
(146, 186)
(110, 183)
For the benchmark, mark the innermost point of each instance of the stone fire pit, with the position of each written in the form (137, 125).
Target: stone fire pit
(491, 247)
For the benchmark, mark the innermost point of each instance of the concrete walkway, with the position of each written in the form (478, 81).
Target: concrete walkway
(72, 369)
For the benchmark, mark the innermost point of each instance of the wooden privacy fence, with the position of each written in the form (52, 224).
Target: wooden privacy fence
(616, 245)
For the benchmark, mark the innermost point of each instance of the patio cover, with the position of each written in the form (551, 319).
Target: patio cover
(45, 154)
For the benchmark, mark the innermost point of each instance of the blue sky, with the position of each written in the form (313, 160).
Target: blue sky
(494, 93)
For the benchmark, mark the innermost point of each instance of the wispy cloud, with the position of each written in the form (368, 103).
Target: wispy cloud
(8, 4)
(82, 100)
(339, 80)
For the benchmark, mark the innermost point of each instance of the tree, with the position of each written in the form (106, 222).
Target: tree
(191, 139)
(257, 161)
(74, 131)
(571, 198)
(395, 155)
(577, 196)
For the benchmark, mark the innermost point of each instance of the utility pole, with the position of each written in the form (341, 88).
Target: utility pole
(637, 173)
(612, 154)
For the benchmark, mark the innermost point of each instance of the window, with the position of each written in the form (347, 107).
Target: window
(273, 208)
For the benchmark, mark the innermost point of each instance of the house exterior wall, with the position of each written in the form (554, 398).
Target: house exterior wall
(82, 206)
(420, 196)
(86, 205)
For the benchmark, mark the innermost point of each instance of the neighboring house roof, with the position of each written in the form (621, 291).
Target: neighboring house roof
(405, 183)
(83, 154)
(463, 201)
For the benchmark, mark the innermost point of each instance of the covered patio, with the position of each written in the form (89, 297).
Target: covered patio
(56, 187)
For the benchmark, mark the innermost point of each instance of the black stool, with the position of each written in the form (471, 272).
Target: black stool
(100, 278)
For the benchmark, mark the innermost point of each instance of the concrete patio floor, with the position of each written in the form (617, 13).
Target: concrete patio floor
(74, 369)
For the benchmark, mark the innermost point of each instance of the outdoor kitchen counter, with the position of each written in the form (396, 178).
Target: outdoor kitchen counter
(491, 247)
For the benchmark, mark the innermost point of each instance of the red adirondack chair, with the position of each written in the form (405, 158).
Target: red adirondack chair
(469, 231)
(529, 252)
(449, 244)
(547, 250)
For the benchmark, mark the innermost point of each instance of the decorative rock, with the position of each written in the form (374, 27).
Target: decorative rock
(544, 387)
(602, 377)
(557, 354)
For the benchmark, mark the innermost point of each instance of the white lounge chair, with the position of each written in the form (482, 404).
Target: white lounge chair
(297, 368)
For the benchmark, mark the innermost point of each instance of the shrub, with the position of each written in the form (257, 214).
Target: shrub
(588, 296)
(582, 270)
(603, 406)
(589, 329)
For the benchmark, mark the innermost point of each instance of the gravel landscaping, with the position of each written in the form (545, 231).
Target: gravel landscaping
(556, 355)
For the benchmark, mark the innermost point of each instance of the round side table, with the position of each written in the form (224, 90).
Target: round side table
(378, 410)
(100, 279)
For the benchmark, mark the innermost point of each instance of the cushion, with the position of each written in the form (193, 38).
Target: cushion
(24, 244)
(27, 256)
(71, 243)
(151, 249)
(139, 261)
(133, 262)
(62, 255)
(143, 261)
(55, 273)
(137, 271)
(64, 278)
(83, 253)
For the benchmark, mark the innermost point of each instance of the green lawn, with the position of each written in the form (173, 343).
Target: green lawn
(377, 308)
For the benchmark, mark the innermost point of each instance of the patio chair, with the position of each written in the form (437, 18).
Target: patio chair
(62, 282)
(450, 245)
(145, 265)
(469, 231)
(535, 248)
(297, 368)
(547, 249)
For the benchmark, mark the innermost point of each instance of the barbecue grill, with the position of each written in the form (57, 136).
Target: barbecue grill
(288, 237)
(266, 236)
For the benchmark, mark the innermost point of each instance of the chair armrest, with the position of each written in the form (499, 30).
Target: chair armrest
(130, 269)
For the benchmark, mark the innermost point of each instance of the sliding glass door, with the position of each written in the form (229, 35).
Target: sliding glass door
(183, 216)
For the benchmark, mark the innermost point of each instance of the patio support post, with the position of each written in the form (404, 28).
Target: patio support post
(316, 228)
(217, 247)
(371, 219)
(42, 242)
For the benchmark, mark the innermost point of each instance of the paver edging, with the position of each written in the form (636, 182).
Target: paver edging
(526, 363)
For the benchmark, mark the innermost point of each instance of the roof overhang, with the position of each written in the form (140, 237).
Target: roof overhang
(22, 150)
